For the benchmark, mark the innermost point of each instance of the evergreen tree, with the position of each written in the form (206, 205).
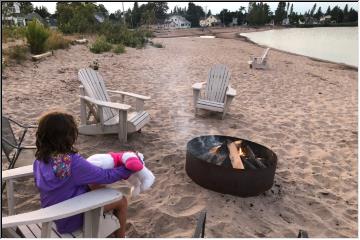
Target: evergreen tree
(353, 15)
(280, 13)
(328, 11)
(209, 13)
(26, 7)
(136, 15)
(194, 13)
(313, 10)
(42, 11)
(318, 14)
(346, 13)
(337, 14)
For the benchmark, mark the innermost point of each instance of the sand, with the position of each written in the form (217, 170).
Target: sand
(304, 110)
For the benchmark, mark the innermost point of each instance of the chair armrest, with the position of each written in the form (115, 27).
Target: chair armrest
(198, 86)
(22, 125)
(118, 106)
(130, 94)
(231, 92)
(73, 206)
(28, 147)
(17, 172)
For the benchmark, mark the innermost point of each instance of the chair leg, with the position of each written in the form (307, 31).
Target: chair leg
(123, 126)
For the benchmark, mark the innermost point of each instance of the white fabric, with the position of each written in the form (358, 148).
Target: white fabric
(104, 161)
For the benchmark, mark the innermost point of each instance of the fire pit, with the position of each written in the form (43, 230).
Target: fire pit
(230, 165)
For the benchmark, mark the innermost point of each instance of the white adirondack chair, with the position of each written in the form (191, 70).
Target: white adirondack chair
(259, 62)
(39, 223)
(109, 117)
(217, 94)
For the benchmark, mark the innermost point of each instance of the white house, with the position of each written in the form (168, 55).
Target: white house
(12, 14)
(325, 19)
(210, 21)
(176, 21)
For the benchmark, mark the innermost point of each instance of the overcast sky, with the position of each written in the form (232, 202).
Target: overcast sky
(215, 7)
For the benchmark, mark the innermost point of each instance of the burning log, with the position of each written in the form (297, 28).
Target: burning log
(234, 155)
(247, 163)
(251, 157)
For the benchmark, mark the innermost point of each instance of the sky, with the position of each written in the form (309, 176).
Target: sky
(215, 7)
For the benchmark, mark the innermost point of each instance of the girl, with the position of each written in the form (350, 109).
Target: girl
(61, 173)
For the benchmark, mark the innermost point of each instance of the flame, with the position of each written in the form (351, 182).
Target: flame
(241, 152)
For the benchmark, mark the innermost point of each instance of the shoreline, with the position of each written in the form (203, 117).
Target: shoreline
(348, 66)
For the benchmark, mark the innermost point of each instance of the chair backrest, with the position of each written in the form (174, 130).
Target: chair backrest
(8, 135)
(265, 54)
(95, 88)
(217, 83)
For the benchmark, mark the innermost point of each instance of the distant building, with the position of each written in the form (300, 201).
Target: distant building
(210, 21)
(325, 19)
(176, 22)
(31, 16)
(285, 21)
(11, 14)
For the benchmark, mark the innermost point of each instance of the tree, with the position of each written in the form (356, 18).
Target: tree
(318, 14)
(313, 10)
(26, 7)
(101, 9)
(353, 15)
(194, 13)
(209, 13)
(259, 14)
(280, 13)
(225, 16)
(328, 11)
(160, 9)
(42, 11)
(337, 14)
(136, 15)
(346, 13)
(116, 16)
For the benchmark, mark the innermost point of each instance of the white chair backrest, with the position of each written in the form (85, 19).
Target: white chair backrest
(217, 84)
(265, 54)
(95, 88)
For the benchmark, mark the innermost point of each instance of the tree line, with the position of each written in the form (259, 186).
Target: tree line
(81, 16)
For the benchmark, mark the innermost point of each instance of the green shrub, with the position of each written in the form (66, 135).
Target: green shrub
(36, 35)
(18, 53)
(120, 48)
(57, 41)
(117, 33)
(100, 45)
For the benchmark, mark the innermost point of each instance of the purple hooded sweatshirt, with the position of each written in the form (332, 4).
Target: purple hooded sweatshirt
(67, 176)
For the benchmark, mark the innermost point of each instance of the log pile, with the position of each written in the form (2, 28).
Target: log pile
(239, 153)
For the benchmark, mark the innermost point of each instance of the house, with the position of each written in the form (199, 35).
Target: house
(211, 21)
(325, 19)
(285, 21)
(31, 16)
(176, 21)
(11, 14)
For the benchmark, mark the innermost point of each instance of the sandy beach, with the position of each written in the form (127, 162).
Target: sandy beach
(304, 110)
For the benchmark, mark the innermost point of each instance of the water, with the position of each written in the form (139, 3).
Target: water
(335, 44)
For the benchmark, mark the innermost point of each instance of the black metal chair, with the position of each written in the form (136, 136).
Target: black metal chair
(9, 144)
(200, 226)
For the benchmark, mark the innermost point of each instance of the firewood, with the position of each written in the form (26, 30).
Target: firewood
(259, 162)
(248, 152)
(234, 156)
(247, 163)
(43, 55)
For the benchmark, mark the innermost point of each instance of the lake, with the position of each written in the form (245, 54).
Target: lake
(335, 44)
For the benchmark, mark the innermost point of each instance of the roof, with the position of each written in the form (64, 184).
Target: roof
(34, 15)
(179, 17)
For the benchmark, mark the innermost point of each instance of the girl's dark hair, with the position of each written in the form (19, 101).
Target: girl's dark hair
(56, 134)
